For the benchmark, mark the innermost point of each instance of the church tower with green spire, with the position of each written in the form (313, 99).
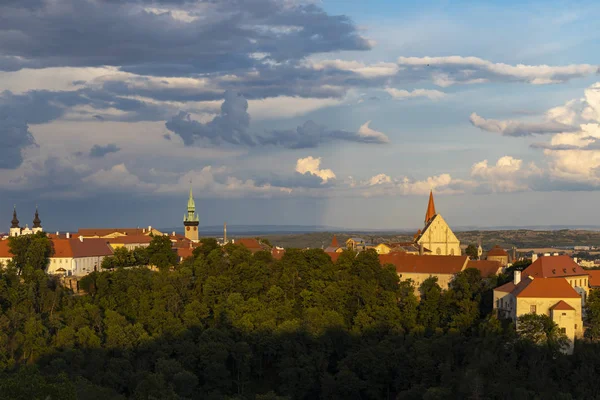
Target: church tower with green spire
(191, 220)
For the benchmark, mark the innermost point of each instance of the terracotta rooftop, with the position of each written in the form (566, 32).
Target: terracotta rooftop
(69, 248)
(506, 288)
(277, 253)
(108, 231)
(250, 243)
(424, 264)
(184, 252)
(486, 267)
(594, 277)
(554, 266)
(430, 208)
(129, 239)
(562, 305)
(545, 288)
(497, 251)
(334, 242)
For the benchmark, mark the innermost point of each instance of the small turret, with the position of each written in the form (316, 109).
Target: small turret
(15, 220)
(191, 220)
(15, 229)
(37, 222)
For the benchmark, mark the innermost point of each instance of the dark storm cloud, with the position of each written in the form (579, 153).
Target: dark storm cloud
(311, 135)
(232, 127)
(123, 34)
(100, 151)
(14, 137)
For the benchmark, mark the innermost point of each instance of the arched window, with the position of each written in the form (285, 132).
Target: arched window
(438, 251)
(452, 251)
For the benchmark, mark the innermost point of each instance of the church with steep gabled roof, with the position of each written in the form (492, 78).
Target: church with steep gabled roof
(436, 235)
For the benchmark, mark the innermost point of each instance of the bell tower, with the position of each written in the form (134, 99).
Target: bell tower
(15, 229)
(191, 220)
(37, 222)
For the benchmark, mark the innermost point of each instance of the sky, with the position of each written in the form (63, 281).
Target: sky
(342, 113)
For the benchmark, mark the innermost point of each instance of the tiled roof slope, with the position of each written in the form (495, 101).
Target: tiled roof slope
(424, 264)
(554, 266)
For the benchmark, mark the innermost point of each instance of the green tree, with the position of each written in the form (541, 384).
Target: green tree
(541, 330)
(472, 252)
(30, 251)
(592, 315)
(161, 252)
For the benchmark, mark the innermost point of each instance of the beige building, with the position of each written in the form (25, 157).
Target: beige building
(550, 296)
(70, 257)
(437, 235)
(400, 247)
(419, 268)
(497, 253)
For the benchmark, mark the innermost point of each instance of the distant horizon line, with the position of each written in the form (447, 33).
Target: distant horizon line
(291, 229)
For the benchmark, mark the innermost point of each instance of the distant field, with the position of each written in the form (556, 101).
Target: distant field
(542, 241)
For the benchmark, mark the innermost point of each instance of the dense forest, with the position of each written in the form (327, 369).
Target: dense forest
(228, 324)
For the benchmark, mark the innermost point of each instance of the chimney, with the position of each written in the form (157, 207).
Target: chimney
(534, 258)
(81, 239)
(57, 233)
(421, 249)
(68, 235)
(144, 230)
(517, 278)
(149, 228)
(575, 259)
(173, 233)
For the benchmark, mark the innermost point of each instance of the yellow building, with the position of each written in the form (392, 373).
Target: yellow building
(550, 296)
(419, 268)
(437, 235)
(497, 253)
(409, 248)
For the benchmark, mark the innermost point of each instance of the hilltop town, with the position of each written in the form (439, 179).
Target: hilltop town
(551, 284)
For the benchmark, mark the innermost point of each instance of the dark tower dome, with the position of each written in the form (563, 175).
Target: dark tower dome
(37, 222)
(15, 220)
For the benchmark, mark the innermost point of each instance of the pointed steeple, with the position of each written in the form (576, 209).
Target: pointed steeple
(37, 222)
(430, 209)
(334, 242)
(15, 220)
(191, 209)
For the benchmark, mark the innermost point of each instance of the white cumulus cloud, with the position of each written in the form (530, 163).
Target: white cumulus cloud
(312, 166)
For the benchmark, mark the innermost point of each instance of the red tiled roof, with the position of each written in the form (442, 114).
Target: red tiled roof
(4, 249)
(133, 239)
(545, 288)
(507, 287)
(184, 252)
(277, 253)
(554, 266)
(108, 231)
(89, 248)
(424, 264)
(249, 243)
(61, 248)
(497, 251)
(562, 305)
(486, 267)
(594, 277)
(69, 248)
